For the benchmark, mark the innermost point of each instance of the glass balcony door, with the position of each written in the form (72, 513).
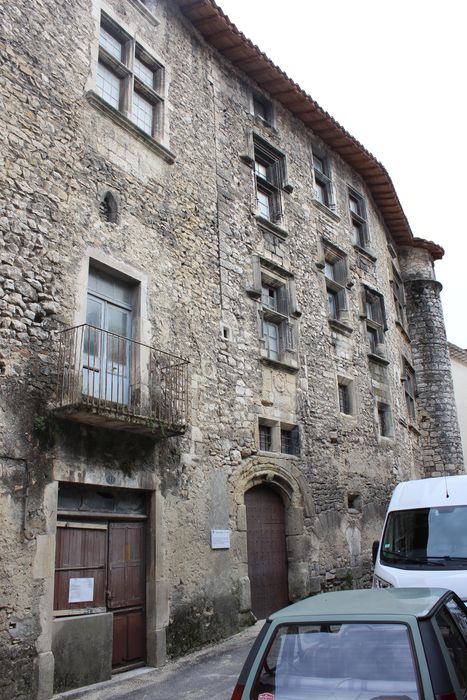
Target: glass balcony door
(106, 350)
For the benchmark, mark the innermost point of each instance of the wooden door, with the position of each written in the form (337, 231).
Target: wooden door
(267, 554)
(126, 591)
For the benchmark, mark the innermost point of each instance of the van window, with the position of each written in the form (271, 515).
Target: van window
(427, 538)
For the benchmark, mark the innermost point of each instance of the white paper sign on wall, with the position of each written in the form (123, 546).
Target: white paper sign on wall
(81, 590)
(220, 539)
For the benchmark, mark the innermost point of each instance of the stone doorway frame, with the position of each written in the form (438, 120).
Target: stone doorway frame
(297, 541)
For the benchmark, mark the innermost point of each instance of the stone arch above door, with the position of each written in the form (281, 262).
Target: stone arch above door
(273, 475)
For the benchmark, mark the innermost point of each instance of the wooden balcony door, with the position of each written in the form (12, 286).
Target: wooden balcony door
(106, 350)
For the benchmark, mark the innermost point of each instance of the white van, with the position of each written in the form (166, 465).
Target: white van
(424, 541)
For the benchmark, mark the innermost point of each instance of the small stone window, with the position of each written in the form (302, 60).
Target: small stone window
(354, 502)
(263, 110)
(410, 391)
(108, 208)
(384, 419)
(335, 272)
(274, 436)
(358, 219)
(375, 318)
(323, 182)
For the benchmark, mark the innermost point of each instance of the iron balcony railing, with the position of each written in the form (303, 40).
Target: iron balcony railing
(117, 376)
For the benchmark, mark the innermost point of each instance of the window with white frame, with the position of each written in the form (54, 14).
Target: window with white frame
(335, 272)
(269, 173)
(410, 391)
(323, 184)
(129, 79)
(358, 219)
(375, 318)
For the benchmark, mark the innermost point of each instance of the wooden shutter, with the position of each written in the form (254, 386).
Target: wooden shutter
(340, 271)
(342, 300)
(276, 206)
(286, 337)
(283, 300)
(80, 554)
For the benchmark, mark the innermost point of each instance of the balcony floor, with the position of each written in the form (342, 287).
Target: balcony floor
(107, 417)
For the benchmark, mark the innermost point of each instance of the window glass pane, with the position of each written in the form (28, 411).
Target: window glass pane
(143, 113)
(286, 442)
(145, 74)
(265, 438)
(108, 85)
(264, 204)
(333, 309)
(321, 192)
(338, 661)
(269, 297)
(271, 338)
(354, 205)
(344, 398)
(329, 270)
(260, 109)
(261, 170)
(319, 164)
(110, 43)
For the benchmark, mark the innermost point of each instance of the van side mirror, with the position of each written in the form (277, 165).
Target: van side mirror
(374, 553)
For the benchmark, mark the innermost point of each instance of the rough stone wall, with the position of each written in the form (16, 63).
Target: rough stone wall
(189, 229)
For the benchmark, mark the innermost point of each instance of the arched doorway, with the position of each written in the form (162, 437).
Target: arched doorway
(267, 553)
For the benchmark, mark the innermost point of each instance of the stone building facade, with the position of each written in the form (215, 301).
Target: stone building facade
(221, 345)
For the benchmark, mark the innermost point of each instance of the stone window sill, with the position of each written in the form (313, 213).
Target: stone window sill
(326, 210)
(271, 227)
(290, 366)
(339, 326)
(365, 252)
(378, 359)
(123, 121)
(270, 453)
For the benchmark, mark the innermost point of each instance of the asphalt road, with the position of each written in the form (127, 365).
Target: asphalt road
(209, 674)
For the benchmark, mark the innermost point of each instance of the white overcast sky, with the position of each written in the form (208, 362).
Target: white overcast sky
(394, 75)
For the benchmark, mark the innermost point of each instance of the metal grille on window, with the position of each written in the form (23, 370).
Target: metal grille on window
(265, 438)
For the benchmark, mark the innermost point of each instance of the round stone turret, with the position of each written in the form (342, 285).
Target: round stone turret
(440, 435)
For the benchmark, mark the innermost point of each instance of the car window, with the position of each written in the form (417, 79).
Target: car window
(338, 661)
(452, 622)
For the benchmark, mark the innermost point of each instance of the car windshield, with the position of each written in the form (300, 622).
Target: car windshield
(361, 661)
(426, 538)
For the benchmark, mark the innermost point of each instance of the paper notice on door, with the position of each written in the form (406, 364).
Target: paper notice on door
(81, 590)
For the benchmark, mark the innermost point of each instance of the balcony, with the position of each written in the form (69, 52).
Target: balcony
(107, 380)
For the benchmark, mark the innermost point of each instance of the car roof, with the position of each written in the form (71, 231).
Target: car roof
(430, 493)
(373, 601)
